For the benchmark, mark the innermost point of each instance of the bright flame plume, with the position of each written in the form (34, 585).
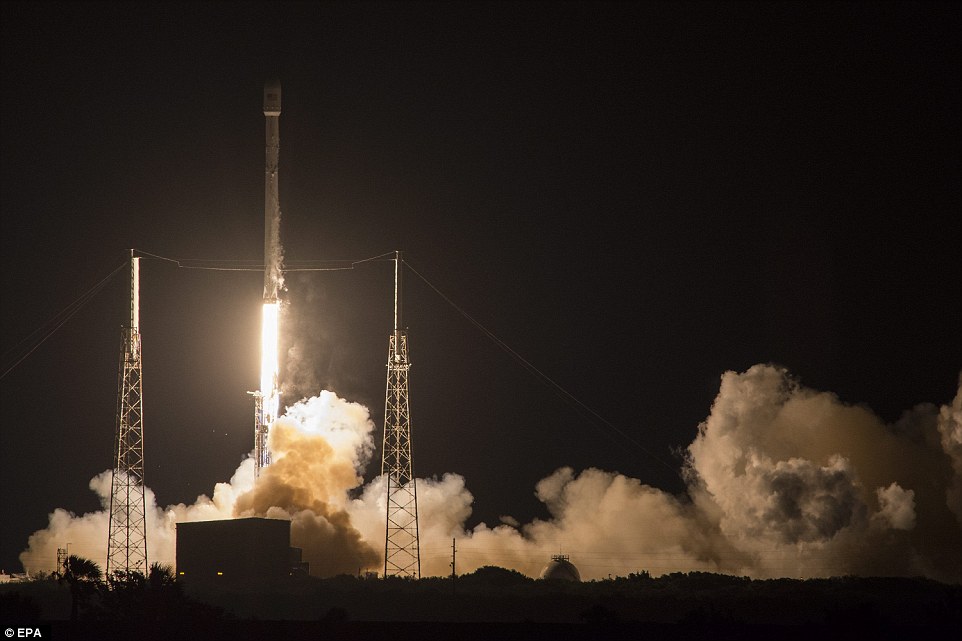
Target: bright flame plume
(269, 361)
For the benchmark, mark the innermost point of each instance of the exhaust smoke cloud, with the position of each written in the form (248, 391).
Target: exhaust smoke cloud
(782, 480)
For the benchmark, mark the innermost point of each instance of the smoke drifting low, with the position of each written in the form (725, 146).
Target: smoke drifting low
(782, 480)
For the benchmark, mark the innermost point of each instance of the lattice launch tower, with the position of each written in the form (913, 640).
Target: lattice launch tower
(402, 555)
(127, 535)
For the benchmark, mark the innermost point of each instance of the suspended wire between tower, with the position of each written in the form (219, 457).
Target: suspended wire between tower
(29, 344)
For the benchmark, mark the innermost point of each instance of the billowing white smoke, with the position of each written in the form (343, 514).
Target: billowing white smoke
(319, 448)
(782, 481)
(87, 534)
(950, 430)
(809, 486)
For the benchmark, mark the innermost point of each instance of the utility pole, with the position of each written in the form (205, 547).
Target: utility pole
(402, 555)
(454, 567)
(454, 557)
(127, 535)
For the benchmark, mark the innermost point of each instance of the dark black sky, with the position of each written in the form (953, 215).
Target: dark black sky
(635, 197)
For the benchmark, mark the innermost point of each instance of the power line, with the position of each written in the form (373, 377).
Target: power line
(312, 266)
(184, 263)
(63, 316)
(208, 264)
(526, 364)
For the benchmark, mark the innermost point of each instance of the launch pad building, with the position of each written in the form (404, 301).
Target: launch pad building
(236, 551)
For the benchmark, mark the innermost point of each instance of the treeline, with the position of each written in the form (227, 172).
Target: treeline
(680, 605)
(79, 595)
(497, 595)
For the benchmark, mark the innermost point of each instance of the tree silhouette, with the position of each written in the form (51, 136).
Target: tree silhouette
(84, 578)
(164, 597)
(157, 599)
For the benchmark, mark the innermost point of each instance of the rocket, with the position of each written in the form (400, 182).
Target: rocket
(273, 279)
(267, 399)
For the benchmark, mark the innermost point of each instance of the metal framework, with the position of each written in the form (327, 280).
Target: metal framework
(61, 561)
(127, 536)
(402, 555)
(262, 455)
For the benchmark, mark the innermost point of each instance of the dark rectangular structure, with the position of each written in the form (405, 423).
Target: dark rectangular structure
(234, 550)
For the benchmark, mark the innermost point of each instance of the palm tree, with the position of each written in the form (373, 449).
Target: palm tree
(83, 576)
(160, 576)
(164, 597)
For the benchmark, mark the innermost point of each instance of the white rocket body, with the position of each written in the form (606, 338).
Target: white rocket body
(267, 399)
(273, 280)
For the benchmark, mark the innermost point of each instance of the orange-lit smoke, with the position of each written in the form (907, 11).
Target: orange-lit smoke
(319, 448)
(782, 481)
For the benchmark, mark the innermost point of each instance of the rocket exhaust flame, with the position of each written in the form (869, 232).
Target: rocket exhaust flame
(269, 361)
(267, 399)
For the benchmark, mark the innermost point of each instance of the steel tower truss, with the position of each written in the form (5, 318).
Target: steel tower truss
(262, 454)
(401, 546)
(127, 536)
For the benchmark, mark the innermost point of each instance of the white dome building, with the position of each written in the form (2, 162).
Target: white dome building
(561, 569)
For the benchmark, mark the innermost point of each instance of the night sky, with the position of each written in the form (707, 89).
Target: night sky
(635, 197)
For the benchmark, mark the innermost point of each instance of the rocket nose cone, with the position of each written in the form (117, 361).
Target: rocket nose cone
(272, 97)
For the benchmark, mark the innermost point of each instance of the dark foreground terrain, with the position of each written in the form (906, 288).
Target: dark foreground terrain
(493, 603)
(479, 631)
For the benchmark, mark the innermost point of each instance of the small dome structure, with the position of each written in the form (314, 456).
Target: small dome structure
(561, 569)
